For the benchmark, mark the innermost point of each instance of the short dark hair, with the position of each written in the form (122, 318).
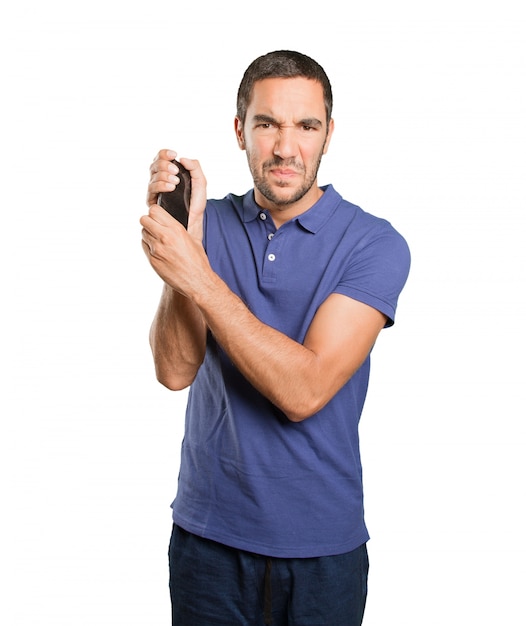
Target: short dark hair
(282, 64)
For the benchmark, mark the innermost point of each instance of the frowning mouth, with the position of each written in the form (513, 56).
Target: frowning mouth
(283, 167)
(283, 173)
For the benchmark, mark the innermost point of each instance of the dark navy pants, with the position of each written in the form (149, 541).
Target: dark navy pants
(212, 584)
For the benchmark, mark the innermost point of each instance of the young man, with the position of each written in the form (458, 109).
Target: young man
(271, 305)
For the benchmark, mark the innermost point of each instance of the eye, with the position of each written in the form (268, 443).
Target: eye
(310, 125)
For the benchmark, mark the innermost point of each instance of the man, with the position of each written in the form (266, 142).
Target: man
(272, 302)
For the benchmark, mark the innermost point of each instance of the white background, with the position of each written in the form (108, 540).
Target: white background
(430, 133)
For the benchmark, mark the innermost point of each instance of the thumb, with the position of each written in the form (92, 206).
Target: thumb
(198, 195)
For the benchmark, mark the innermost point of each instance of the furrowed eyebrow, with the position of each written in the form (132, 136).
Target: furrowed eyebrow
(264, 119)
(267, 119)
(311, 121)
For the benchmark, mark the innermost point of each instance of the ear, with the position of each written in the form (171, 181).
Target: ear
(239, 133)
(329, 135)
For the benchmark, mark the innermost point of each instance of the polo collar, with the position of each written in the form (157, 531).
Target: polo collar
(312, 220)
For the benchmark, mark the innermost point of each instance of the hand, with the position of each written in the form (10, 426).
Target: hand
(163, 178)
(175, 254)
(177, 257)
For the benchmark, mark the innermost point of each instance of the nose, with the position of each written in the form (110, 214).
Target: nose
(286, 146)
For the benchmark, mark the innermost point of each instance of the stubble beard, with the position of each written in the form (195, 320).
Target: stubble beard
(262, 184)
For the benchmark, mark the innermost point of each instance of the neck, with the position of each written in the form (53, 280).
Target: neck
(283, 212)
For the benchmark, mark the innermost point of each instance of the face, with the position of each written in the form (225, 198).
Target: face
(285, 136)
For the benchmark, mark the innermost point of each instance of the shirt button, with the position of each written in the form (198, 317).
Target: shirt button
(270, 235)
(262, 216)
(271, 257)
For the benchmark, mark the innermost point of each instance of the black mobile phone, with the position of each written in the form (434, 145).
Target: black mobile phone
(177, 202)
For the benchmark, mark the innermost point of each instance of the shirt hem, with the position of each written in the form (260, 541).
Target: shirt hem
(262, 549)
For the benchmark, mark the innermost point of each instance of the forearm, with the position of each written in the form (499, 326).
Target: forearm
(280, 368)
(177, 339)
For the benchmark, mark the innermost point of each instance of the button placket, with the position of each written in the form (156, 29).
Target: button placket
(271, 258)
(269, 226)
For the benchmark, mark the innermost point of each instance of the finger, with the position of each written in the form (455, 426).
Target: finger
(148, 250)
(198, 196)
(157, 219)
(148, 241)
(162, 165)
(165, 155)
(163, 176)
(154, 228)
(162, 182)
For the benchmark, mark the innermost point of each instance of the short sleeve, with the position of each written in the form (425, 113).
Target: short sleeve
(378, 271)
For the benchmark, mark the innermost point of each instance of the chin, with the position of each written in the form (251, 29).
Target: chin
(284, 199)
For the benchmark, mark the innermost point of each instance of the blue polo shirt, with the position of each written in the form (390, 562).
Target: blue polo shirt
(250, 478)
